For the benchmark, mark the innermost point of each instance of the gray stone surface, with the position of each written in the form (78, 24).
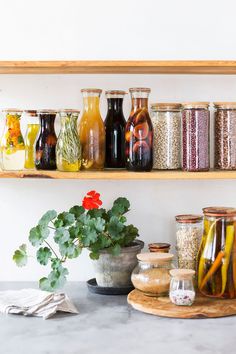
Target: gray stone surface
(107, 325)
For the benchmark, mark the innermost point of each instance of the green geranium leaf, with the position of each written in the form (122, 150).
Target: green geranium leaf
(89, 236)
(77, 211)
(67, 218)
(74, 231)
(47, 217)
(58, 223)
(45, 284)
(43, 255)
(38, 234)
(95, 213)
(61, 235)
(70, 250)
(20, 256)
(55, 280)
(120, 207)
(99, 224)
(115, 227)
(130, 234)
(84, 219)
(115, 251)
(94, 255)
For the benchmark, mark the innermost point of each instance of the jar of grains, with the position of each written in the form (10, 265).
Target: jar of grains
(189, 229)
(225, 135)
(195, 136)
(166, 120)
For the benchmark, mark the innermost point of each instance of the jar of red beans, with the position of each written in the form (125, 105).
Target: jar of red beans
(225, 135)
(195, 136)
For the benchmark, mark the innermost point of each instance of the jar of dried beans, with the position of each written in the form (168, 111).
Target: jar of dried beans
(189, 231)
(225, 135)
(166, 121)
(195, 136)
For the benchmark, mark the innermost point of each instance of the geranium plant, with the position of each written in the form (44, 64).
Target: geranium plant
(83, 226)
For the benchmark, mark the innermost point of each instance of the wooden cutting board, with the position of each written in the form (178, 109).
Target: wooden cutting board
(203, 307)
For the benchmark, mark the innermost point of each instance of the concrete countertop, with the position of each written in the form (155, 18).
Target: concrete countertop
(107, 325)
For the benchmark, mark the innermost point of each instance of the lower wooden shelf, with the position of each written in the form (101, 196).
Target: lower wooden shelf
(121, 175)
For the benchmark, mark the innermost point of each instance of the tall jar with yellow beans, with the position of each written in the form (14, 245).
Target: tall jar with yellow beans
(217, 253)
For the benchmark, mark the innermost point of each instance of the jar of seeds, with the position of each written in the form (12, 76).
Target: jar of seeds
(189, 229)
(166, 120)
(225, 135)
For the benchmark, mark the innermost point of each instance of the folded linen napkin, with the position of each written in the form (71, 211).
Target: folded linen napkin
(35, 302)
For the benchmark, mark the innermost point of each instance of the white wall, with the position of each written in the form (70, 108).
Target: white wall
(103, 29)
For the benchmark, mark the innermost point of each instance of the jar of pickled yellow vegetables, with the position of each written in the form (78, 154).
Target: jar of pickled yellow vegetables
(12, 142)
(30, 138)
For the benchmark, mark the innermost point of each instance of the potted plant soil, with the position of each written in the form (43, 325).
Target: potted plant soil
(60, 237)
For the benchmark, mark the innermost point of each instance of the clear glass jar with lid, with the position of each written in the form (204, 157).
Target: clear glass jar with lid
(166, 121)
(182, 291)
(151, 275)
(30, 138)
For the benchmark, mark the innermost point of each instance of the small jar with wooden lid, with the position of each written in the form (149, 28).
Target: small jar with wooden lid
(151, 275)
(182, 291)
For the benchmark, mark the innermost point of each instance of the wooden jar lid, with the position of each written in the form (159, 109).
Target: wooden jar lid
(182, 273)
(155, 258)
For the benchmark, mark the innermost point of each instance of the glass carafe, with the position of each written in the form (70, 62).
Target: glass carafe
(12, 142)
(46, 143)
(92, 131)
(68, 148)
(30, 138)
(139, 133)
(115, 130)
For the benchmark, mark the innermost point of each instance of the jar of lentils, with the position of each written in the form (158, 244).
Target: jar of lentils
(225, 135)
(166, 121)
(195, 136)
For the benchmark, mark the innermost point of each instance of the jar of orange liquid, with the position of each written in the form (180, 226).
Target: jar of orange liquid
(30, 138)
(92, 131)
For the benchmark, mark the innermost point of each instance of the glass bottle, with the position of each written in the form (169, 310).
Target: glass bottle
(182, 291)
(12, 142)
(30, 138)
(139, 133)
(115, 130)
(68, 148)
(217, 253)
(46, 143)
(92, 131)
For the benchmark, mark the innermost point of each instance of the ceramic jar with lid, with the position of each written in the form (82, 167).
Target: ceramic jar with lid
(182, 291)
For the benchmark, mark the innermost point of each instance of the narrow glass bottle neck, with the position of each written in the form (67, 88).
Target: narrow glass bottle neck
(47, 123)
(91, 103)
(115, 104)
(138, 102)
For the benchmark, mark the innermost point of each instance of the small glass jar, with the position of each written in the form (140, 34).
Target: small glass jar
(151, 275)
(225, 135)
(166, 121)
(195, 136)
(189, 229)
(182, 291)
(30, 138)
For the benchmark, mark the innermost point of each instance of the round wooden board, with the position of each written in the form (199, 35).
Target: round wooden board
(203, 307)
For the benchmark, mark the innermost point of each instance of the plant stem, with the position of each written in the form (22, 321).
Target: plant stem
(51, 249)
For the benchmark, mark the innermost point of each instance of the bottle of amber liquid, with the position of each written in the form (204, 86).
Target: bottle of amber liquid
(92, 131)
(139, 133)
(115, 130)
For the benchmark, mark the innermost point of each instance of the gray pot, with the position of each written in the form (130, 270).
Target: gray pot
(115, 271)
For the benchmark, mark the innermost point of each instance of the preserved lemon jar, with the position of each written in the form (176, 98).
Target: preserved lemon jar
(68, 148)
(217, 253)
(12, 142)
(30, 138)
(92, 131)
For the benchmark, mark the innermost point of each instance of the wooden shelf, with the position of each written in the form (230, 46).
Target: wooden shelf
(119, 67)
(121, 175)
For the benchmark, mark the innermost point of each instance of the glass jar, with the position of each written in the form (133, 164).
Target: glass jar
(30, 138)
(46, 143)
(68, 148)
(225, 135)
(115, 130)
(189, 230)
(139, 133)
(151, 275)
(166, 121)
(182, 291)
(159, 247)
(92, 131)
(12, 142)
(195, 136)
(217, 253)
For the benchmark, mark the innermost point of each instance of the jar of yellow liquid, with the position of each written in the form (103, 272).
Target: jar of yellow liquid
(30, 139)
(68, 148)
(92, 131)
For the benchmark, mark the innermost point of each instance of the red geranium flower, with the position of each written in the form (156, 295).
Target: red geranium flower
(92, 201)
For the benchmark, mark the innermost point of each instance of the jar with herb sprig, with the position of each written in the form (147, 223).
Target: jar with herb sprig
(68, 148)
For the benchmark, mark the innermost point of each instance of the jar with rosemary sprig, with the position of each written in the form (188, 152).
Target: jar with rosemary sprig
(68, 149)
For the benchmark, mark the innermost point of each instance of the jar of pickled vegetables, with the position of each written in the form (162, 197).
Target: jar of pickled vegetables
(30, 138)
(12, 142)
(68, 148)
(92, 131)
(217, 253)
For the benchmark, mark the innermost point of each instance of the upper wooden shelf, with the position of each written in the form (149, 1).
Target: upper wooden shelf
(119, 67)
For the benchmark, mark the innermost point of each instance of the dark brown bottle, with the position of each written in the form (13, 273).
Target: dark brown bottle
(46, 142)
(115, 130)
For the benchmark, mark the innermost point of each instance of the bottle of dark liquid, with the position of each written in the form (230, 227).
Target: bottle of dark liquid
(139, 133)
(115, 130)
(46, 143)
